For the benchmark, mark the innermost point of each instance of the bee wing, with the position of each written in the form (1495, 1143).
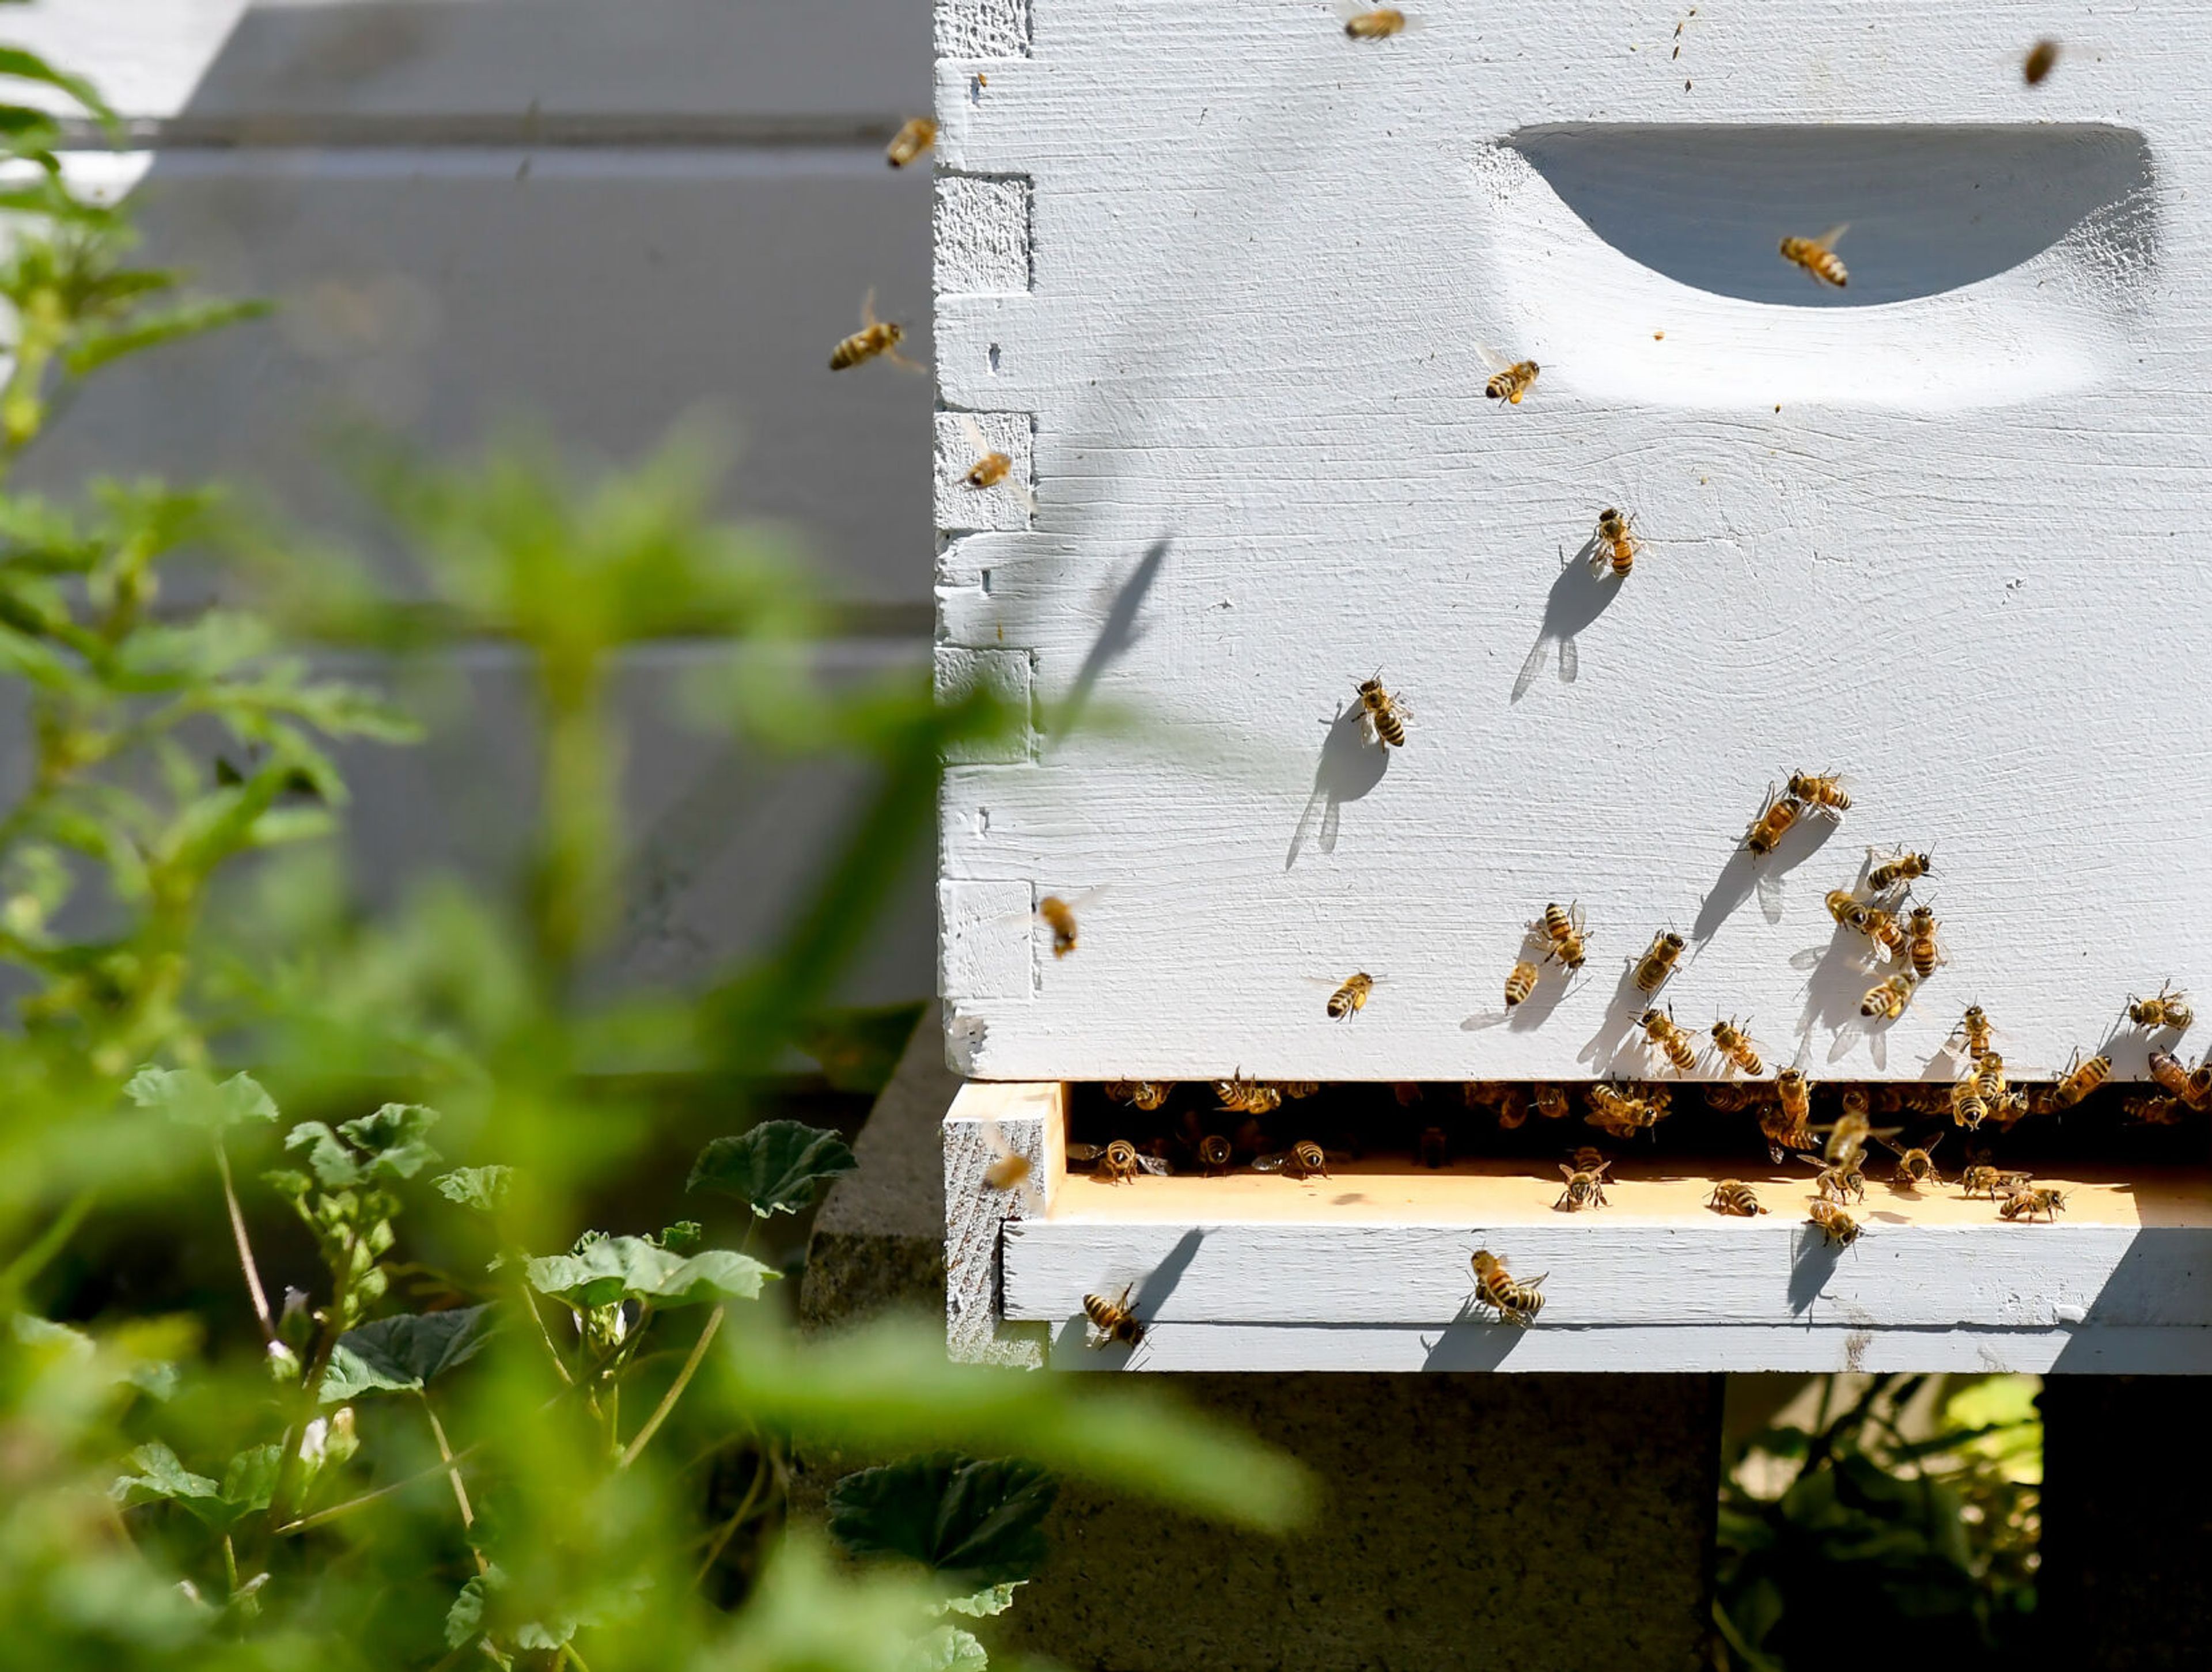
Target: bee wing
(868, 310)
(1571, 662)
(977, 438)
(1807, 959)
(1270, 1163)
(1154, 1165)
(1826, 241)
(1085, 1152)
(1493, 358)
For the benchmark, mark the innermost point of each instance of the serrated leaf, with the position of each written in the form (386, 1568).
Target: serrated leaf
(194, 1099)
(978, 1522)
(772, 1168)
(403, 1354)
(617, 1267)
(948, 1648)
(161, 1477)
(981, 1604)
(250, 1480)
(483, 1189)
(392, 1137)
(682, 1238)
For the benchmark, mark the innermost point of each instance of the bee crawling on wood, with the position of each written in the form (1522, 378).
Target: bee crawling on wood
(1886, 998)
(1777, 816)
(1382, 715)
(1658, 960)
(1520, 983)
(1920, 943)
(2166, 1070)
(1112, 1321)
(1732, 1196)
(1514, 1301)
(876, 338)
(1304, 1159)
(1659, 1028)
(1827, 794)
(1974, 1032)
(1900, 867)
(1617, 544)
(1984, 1180)
(1838, 1226)
(1119, 1162)
(1213, 1154)
(1563, 931)
(1817, 256)
(1585, 1184)
(2026, 1201)
(1736, 1050)
(2168, 1010)
(1787, 1120)
(2081, 1078)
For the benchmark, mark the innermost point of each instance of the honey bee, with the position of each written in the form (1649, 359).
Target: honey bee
(1563, 927)
(1735, 1048)
(1903, 868)
(1435, 1147)
(1787, 1122)
(1990, 1078)
(1841, 1181)
(2026, 1201)
(1925, 954)
(1659, 1028)
(1520, 983)
(1480, 1093)
(1585, 1187)
(2155, 1111)
(1549, 1101)
(1382, 715)
(1509, 379)
(1213, 1153)
(2168, 1010)
(1658, 960)
(1146, 1094)
(1515, 1302)
(1059, 917)
(876, 338)
(1008, 1171)
(1817, 255)
(1351, 998)
(1512, 1108)
(917, 136)
(1822, 793)
(1847, 909)
(1623, 1116)
(1982, 1180)
(1887, 999)
(1777, 815)
(1112, 1321)
(2041, 58)
(1588, 1158)
(2081, 1078)
(1734, 1197)
(1974, 1031)
(1304, 1159)
(1847, 1135)
(1914, 1166)
(1617, 544)
(1240, 1096)
(1298, 1088)
(1120, 1162)
(2197, 1091)
(991, 466)
(1728, 1097)
(1969, 1108)
(1379, 24)
(1838, 1226)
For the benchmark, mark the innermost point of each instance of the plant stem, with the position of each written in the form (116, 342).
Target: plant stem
(322, 1517)
(675, 1389)
(728, 1530)
(33, 1260)
(453, 1473)
(560, 1365)
(253, 1289)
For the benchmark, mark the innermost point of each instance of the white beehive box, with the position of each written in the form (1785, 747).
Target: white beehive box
(1221, 280)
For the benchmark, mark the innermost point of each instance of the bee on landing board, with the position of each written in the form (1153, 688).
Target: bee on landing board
(1585, 1186)
(1213, 1153)
(1777, 816)
(1825, 792)
(1112, 1321)
(1838, 1181)
(1304, 1159)
(1617, 544)
(1817, 256)
(1901, 867)
(1732, 1196)
(2168, 1010)
(1509, 379)
(1913, 1166)
(1838, 1226)
(1660, 1029)
(876, 338)
(2026, 1201)
(1736, 1050)
(1119, 1162)
(1658, 960)
(1514, 1301)
(1382, 715)
(917, 136)
(1984, 1180)
(1563, 929)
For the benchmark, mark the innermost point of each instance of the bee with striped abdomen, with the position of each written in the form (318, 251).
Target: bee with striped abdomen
(1736, 1050)
(2155, 1111)
(2197, 1090)
(2081, 1078)
(1213, 1153)
(1787, 1122)
(1728, 1097)
(1920, 942)
(1617, 544)
(1520, 983)
(1902, 867)
(1549, 1101)
(1349, 1000)
(1614, 1111)
(1146, 1094)
(1838, 1226)
(1382, 715)
(1658, 960)
(1304, 1159)
(1914, 1166)
(1112, 1321)
(2026, 1201)
(1734, 1197)
(1840, 1181)
(1659, 1028)
(1119, 1162)
(1817, 256)
(2166, 1070)
(991, 466)
(1563, 929)
(1981, 1179)
(1969, 1108)
(1515, 1302)
(1974, 1031)
(1509, 379)
(917, 136)
(2168, 1010)
(1240, 1096)
(1512, 1108)
(1887, 1000)
(876, 338)
(1777, 816)
(1585, 1186)
(1989, 1079)
(1827, 793)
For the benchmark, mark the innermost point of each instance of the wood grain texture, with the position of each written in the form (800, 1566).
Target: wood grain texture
(986, 1124)
(1959, 563)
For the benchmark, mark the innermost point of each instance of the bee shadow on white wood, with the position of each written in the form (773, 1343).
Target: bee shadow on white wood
(1618, 1045)
(1812, 1263)
(1532, 1012)
(1578, 597)
(1118, 634)
(1146, 1297)
(1836, 977)
(1472, 1341)
(1747, 873)
(1352, 764)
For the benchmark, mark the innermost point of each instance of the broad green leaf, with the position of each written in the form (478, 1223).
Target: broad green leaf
(948, 1648)
(393, 1137)
(99, 347)
(979, 1524)
(25, 65)
(252, 1476)
(193, 1098)
(982, 1604)
(682, 1238)
(403, 1354)
(615, 1267)
(161, 1477)
(773, 1168)
(805, 1616)
(483, 1189)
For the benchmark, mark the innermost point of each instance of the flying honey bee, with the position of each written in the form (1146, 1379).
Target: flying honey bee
(917, 136)
(1921, 943)
(1008, 1169)
(1509, 379)
(1841, 1181)
(2041, 58)
(1304, 1159)
(1512, 1108)
(1515, 1302)
(1735, 1048)
(1382, 715)
(1112, 1321)
(1617, 544)
(875, 339)
(1969, 1108)
(1549, 1101)
(1213, 1153)
(1520, 983)
(1435, 1146)
(2165, 1068)
(1380, 24)
(1887, 999)
(991, 466)
(1776, 817)
(1838, 1226)
(1990, 1078)
(1902, 868)
(1824, 793)
(1660, 1029)
(1563, 927)
(1658, 960)
(1351, 998)
(2168, 1010)
(2026, 1201)
(1817, 256)
(1914, 1166)
(1728, 1097)
(1974, 1031)
(1146, 1094)
(1734, 1197)
(2081, 1078)
(1585, 1187)
(1059, 917)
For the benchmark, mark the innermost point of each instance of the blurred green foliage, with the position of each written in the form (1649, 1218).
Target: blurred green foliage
(1920, 1533)
(434, 1415)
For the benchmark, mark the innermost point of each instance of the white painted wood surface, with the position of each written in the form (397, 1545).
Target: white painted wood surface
(986, 1126)
(1959, 562)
